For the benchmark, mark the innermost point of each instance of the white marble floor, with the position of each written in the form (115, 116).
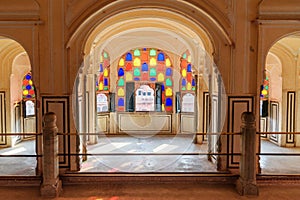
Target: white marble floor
(14, 166)
(112, 161)
(150, 158)
(284, 164)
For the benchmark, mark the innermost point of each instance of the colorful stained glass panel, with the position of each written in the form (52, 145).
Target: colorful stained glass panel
(169, 72)
(121, 92)
(121, 102)
(121, 62)
(128, 66)
(152, 52)
(137, 52)
(128, 76)
(121, 82)
(153, 62)
(28, 88)
(168, 82)
(161, 77)
(136, 72)
(128, 57)
(152, 72)
(137, 62)
(169, 102)
(105, 73)
(169, 92)
(121, 72)
(161, 57)
(145, 67)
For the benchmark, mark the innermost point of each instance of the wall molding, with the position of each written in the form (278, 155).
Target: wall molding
(236, 106)
(290, 116)
(60, 106)
(3, 138)
(274, 120)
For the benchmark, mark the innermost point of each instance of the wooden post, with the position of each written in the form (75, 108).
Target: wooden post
(51, 185)
(246, 184)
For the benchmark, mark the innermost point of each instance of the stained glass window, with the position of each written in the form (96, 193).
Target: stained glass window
(27, 86)
(264, 97)
(28, 94)
(147, 68)
(102, 82)
(188, 83)
(264, 94)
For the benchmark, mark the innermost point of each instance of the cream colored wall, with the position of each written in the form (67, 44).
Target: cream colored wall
(20, 67)
(55, 34)
(170, 20)
(9, 50)
(60, 24)
(288, 50)
(274, 69)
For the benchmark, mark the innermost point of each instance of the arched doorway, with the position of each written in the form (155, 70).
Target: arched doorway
(166, 31)
(271, 97)
(24, 105)
(17, 106)
(279, 101)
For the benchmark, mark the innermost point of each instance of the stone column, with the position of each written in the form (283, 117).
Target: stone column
(51, 185)
(246, 184)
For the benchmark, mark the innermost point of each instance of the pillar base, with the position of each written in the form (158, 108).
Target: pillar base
(51, 191)
(198, 139)
(246, 188)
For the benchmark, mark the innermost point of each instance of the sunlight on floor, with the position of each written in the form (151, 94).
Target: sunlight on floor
(164, 147)
(14, 151)
(147, 163)
(152, 162)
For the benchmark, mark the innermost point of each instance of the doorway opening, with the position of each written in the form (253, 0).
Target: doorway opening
(148, 82)
(17, 110)
(278, 107)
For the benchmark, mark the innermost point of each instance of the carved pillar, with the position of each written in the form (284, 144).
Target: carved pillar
(246, 184)
(51, 186)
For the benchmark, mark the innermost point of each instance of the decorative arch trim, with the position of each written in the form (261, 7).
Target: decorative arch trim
(84, 26)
